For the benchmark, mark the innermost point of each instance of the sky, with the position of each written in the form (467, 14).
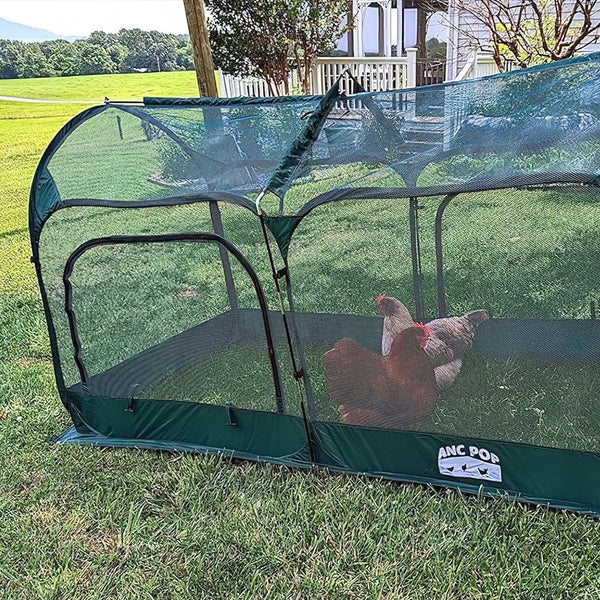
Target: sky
(81, 17)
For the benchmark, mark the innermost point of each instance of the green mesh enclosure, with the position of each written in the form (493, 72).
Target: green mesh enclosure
(398, 283)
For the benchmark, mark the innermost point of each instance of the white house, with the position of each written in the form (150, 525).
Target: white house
(386, 48)
(462, 59)
(389, 28)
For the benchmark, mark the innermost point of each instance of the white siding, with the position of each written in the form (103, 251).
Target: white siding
(460, 44)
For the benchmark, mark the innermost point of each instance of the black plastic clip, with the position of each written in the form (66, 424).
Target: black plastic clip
(231, 422)
(281, 273)
(132, 398)
(299, 374)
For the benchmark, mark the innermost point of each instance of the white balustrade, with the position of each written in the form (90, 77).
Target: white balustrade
(373, 73)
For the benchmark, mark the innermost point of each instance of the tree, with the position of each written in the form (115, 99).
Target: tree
(62, 56)
(248, 38)
(9, 54)
(110, 42)
(530, 32)
(149, 50)
(95, 60)
(317, 26)
(32, 62)
(269, 37)
(130, 49)
(185, 56)
(435, 48)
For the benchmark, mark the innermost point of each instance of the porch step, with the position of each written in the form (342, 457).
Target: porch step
(416, 146)
(424, 135)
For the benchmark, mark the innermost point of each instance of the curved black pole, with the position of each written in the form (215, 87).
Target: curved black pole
(439, 257)
(174, 237)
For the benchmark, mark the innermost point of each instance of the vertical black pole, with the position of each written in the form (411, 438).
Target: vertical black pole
(310, 405)
(442, 309)
(215, 217)
(415, 250)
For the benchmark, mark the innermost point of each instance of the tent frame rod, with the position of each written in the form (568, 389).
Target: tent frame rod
(415, 250)
(160, 238)
(442, 309)
(217, 223)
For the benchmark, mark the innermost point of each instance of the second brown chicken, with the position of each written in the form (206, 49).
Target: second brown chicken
(382, 391)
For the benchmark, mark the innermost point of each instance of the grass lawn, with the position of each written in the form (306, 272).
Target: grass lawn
(79, 522)
(129, 86)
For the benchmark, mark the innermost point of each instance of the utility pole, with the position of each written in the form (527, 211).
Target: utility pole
(205, 70)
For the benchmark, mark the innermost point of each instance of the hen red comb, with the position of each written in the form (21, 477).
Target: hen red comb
(426, 334)
(380, 298)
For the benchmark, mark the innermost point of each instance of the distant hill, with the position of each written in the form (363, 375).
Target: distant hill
(24, 33)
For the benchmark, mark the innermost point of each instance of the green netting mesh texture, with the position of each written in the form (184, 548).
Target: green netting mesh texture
(130, 299)
(537, 123)
(475, 200)
(526, 256)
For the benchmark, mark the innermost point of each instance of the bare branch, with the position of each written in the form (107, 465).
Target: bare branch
(529, 31)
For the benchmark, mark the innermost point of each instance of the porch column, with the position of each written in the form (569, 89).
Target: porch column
(359, 11)
(453, 42)
(411, 67)
(400, 26)
(387, 27)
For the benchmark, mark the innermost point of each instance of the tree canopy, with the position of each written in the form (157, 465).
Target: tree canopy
(127, 51)
(270, 38)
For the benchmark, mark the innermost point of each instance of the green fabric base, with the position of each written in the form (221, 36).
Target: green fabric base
(260, 434)
(559, 478)
(72, 436)
(562, 479)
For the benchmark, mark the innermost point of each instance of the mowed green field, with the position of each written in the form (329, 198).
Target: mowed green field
(79, 522)
(129, 86)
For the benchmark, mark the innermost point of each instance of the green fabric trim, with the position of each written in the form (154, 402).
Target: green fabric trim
(284, 174)
(559, 478)
(282, 229)
(244, 100)
(43, 197)
(72, 436)
(47, 200)
(174, 423)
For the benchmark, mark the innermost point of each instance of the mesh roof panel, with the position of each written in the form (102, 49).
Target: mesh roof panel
(529, 126)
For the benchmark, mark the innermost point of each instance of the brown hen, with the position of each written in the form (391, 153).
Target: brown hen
(382, 391)
(449, 337)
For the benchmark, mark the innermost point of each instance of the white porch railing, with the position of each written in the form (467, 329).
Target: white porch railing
(231, 86)
(480, 65)
(373, 73)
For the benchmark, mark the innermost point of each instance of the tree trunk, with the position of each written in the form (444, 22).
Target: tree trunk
(205, 70)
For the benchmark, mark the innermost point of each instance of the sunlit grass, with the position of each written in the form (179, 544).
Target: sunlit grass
(130, 86)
